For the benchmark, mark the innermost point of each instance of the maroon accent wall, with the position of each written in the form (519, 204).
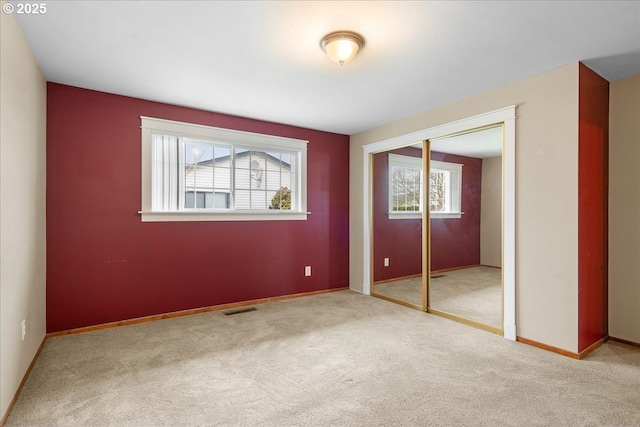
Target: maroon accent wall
(400, 240)
(104, 264)
(593, 183)
(454, 242)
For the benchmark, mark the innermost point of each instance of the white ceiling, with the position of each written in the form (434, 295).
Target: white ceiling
(262, 59)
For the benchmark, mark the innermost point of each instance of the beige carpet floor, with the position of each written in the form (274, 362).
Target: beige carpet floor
(408, 290)
(333, 359)
(473, 293)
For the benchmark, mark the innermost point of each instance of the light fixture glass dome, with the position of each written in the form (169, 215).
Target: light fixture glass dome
(342, 46)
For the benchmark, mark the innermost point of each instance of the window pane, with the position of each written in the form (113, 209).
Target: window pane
(259, 200)
(222, 178)
(273, 180)
(242, 199)
(197, 153)
(200, 199)
(288, 162)
(221, 155)
(412, 188)
(280, 199)
(438, 191)
(289, 198)
(242, 179)
(207, 181)
(221, 200)
(242, 159)
(406, 191)
(198, 173)
(189, 200)
(288, 181)
(208, 200)
(198, 178)
(265, 173)
(395, 190)
(257, 168)
(273, 161)
(275, 199)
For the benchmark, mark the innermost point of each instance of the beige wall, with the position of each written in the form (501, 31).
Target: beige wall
(546, 196)
(22, 207)
(624, 209)
(491, 212)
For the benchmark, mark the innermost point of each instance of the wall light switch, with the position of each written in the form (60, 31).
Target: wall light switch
(386, 262)
(307, 270)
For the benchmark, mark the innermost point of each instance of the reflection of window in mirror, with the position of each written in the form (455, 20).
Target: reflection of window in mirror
(405, 187)
(445, 189)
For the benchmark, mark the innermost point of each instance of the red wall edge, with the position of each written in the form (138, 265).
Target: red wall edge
(593, 184)
(454, 242)
(104, 264)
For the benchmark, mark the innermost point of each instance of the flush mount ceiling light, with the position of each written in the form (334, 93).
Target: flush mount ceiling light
(342, 46)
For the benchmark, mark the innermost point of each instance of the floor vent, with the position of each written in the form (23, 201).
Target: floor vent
(241, 310)
(437, 276)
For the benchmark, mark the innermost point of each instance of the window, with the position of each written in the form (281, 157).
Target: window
(445, 189)
(201, 173)
(405, 188)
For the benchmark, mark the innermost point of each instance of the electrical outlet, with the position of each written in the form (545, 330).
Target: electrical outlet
(307, 271)
(24, 328)
(386, 262)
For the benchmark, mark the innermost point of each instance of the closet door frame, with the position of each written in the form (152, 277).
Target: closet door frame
(507, 117)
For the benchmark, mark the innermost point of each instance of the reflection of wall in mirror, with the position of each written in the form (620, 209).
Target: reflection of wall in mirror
(491, 212)
(455, 242)
(400, 240)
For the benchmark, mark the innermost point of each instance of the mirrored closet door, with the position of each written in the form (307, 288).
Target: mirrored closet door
(465, 228)
(436, 206)
(397, 226)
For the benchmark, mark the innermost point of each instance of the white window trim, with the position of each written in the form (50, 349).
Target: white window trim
(150, 125)
(409, 162)
(455, 188)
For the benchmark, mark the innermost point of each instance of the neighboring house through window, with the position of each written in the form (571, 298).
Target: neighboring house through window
(194, 172)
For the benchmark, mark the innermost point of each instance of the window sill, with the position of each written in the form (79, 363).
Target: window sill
(187, 216)
(418, 215)
(404, 215)
(435, 215)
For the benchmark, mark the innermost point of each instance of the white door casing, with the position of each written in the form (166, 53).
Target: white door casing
(507, 117)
